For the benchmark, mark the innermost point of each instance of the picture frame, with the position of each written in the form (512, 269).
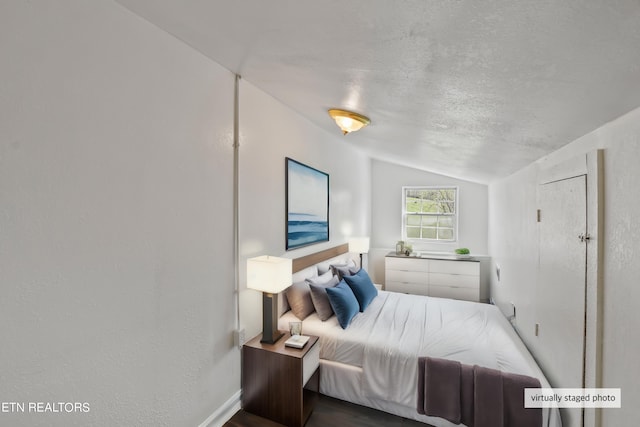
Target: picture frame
(307, 205)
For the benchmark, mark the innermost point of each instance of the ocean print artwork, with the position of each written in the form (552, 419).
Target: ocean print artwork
(307, 205)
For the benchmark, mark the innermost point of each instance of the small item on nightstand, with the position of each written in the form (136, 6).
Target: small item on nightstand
(295, 328)
(400, 247)
(296, 341)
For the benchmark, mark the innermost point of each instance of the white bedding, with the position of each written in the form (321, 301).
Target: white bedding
(396, 329)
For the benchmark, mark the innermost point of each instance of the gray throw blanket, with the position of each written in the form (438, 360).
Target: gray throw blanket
(473, 395)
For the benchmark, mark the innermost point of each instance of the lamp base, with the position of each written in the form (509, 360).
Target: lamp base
(270, 332)
(273, 339)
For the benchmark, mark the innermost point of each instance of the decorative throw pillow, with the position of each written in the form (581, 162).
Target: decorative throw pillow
(343, 302)
(321, 279)
(299, 298)
(321, 300)
(346, 269)
(362, 287)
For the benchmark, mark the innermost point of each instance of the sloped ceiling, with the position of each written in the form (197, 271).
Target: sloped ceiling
(472, 89)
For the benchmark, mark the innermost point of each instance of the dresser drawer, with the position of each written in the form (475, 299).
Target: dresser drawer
(466, 294)
(406, 264)
(406, 288)
(310, 362)
(470, 268)
(454, 280)
(417, 277)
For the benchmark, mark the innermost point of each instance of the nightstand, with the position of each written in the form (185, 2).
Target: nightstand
(280, 383)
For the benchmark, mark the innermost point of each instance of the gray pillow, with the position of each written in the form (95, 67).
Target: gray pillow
(321, 300)
(341, 270)
(319, 280)
(299, 298)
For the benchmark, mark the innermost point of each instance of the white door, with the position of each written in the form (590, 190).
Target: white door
(561, 289)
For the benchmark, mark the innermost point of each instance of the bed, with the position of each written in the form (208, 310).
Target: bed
(373, 362)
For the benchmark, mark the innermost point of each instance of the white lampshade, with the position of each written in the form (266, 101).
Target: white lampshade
(269, 274)
(359, 245)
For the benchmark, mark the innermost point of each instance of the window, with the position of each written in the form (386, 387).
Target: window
(430, 213)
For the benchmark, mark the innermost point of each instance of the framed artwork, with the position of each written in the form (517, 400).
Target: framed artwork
(307, 205)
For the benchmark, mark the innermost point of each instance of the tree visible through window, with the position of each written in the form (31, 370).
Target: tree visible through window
(430, 213)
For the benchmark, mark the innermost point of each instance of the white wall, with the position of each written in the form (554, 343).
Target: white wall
(513, 244)
(269, 133)
(386, 214)
(115, 227)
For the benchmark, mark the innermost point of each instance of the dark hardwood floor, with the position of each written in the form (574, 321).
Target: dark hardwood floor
(332, 412)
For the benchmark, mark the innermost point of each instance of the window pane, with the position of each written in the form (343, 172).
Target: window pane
(429, 233)
(445, 221)
(429, 206)
(449, 194)
(431, 221)
(412, 204)
(413, 220)
(445, 233)
(445, 207)
(431, 194)
(450, 207)
(413, 232)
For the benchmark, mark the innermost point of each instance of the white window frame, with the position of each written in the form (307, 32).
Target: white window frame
(455, 216)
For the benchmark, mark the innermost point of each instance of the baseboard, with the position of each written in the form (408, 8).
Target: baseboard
(224, 412)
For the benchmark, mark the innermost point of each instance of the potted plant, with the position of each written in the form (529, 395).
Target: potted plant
(462, 253)
(408, 249)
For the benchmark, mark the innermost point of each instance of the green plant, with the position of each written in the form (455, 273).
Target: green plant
(462, 251)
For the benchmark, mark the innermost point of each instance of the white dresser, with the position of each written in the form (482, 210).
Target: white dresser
(445, 278)
(407, 275)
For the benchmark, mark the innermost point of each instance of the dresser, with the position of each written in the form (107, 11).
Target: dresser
(445, 277)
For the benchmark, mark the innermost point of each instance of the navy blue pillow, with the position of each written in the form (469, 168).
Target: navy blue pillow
(343, 302)
(362, 287)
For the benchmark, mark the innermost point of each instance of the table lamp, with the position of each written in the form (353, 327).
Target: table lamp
(359, 245)
(270, 275)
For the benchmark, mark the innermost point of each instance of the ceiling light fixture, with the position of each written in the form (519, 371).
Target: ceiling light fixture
(348, 121)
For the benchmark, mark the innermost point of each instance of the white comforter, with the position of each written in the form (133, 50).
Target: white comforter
(396, 329)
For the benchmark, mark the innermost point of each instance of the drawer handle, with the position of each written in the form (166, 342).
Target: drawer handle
(456, 274)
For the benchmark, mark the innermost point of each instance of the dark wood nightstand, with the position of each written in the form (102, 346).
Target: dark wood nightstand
(280, 383)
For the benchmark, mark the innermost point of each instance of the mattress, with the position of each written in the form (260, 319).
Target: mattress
(387, 338)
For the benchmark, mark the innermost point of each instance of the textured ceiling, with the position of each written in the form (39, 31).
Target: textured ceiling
(472, 89)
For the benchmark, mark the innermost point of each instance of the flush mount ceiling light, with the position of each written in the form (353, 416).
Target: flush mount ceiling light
(349, 121)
